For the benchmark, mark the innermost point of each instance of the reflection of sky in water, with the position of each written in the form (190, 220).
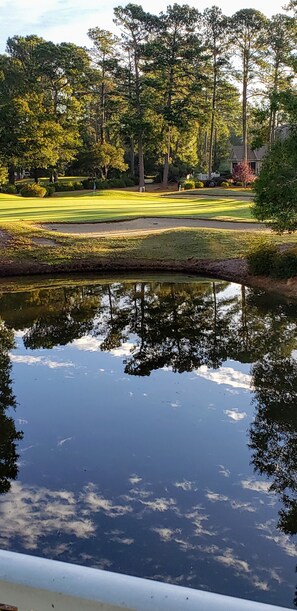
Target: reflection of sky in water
(149, 476)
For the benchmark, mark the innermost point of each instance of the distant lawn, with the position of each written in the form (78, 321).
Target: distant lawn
(80, 206)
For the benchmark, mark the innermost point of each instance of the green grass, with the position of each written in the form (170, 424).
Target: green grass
(115, 205)
(178, 245)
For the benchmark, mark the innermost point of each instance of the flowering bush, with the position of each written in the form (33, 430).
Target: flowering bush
(242, 173)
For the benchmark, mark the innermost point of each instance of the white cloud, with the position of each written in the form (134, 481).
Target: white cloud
(225, 375)
(235, 415)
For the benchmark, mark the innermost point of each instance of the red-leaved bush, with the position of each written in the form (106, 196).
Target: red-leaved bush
(243, 173)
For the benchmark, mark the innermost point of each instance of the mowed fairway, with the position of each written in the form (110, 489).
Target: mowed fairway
(115, 205)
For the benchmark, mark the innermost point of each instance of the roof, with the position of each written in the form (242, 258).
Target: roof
(256, 155)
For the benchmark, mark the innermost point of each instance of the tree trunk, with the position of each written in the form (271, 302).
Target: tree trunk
(244, 111)
(36, 177)
(212, 123)
(166, 164)
(140, 163)
(11, 176)
(56, 175)
(132, 157)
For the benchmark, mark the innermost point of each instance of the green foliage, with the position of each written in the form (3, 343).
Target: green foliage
(50, 190)
(261, 258)
(62, 187)
(225, 184)
(189, 184)
(33, 190)
(3, 175)
(267, 260)
(199, 184)
(276, 188)
(9, 189)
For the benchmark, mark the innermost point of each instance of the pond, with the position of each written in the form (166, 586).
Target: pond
(149, 427)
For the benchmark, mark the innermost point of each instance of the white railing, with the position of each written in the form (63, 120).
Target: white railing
(29, 583)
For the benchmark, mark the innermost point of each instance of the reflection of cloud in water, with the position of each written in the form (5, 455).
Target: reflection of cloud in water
(224, 471)
(88, 343)
(61, 443)
(185, 485)
(215, 497)
(159, 504)
(134, 479)
(235, 415)
(281, 539)
(39, 360)
(225, 375)
(31, 513)
(94, 503)
(255, 485)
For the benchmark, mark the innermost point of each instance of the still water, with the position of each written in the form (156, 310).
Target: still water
(149, 427)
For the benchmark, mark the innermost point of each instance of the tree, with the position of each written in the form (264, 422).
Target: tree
(217, 41)
(103, 157)
(174, 68)
(40, 102)
(248, 27)
(276, 186)
(135, 24)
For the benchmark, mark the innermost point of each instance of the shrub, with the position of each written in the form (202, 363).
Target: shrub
(261, 259)
(199, 184)
(33, 190)
(61, 187)
(225, 184)
(242, 173)
(116, 183)
(9, 189)
(129, 181)
(285, 264)
(77, 186)
(189, 184)
(50, 190)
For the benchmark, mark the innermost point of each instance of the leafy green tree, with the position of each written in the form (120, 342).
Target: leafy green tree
(174, 72)
(276, 186)
(135, 25)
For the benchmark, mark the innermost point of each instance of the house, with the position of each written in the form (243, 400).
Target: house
(255, 157)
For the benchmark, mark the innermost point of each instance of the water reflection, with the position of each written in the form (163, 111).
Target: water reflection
(8, 433)
(201, 327)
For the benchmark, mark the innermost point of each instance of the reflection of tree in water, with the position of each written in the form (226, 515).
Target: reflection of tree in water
(185, 326)
(273, 434)
(8, 434)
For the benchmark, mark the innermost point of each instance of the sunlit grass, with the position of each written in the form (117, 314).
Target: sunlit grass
(81, 206)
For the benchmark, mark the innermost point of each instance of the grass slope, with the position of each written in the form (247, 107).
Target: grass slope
(80, 206)
(22, 245)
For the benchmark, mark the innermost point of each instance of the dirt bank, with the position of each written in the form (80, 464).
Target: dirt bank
(234, 270)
